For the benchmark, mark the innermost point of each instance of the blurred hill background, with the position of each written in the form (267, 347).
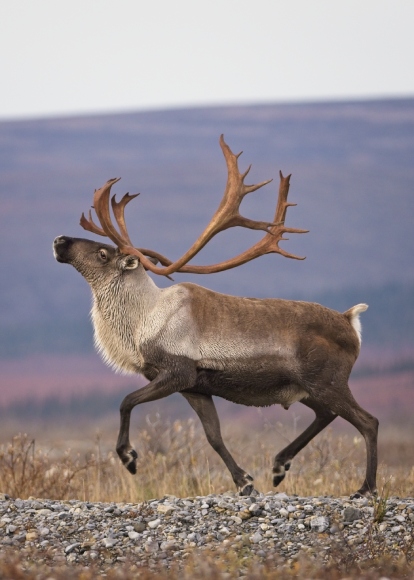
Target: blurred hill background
(352, 166)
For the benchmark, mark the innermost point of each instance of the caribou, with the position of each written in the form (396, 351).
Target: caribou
(190, 340)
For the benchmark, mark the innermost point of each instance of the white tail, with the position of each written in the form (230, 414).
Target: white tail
(353, 316)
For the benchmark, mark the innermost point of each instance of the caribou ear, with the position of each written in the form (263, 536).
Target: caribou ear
(130, 263)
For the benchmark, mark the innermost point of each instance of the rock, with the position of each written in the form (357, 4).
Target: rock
(168, 546)
(139, 526)
(165, 509)
(281, 496)
(351, 514)
(151, 546)
(71, 547)
(255, 539)
(109, 542)
(319, 523)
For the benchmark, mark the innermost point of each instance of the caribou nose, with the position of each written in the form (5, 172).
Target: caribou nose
(59, 240)
(60, 246)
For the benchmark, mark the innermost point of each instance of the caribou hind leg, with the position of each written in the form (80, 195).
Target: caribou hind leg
(346, 407)
(282, 460)
(367, 425)
(204, 406)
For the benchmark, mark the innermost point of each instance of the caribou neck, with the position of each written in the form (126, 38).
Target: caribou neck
(119, 313)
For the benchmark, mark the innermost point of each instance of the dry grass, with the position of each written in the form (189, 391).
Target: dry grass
(174, 458)
(372, 562)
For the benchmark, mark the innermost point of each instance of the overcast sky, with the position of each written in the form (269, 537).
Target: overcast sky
(88, 56)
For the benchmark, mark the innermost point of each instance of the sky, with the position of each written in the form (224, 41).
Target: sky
(95, 56)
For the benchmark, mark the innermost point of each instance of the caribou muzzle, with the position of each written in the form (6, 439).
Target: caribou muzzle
(61, 245)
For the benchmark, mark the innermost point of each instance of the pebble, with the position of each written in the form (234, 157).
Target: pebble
(71, 547)
(109, 542)
(319, 523)
(351, 514)
(164, 530)
(165, 509)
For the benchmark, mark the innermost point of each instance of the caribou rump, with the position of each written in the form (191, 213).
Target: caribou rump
(199, 343)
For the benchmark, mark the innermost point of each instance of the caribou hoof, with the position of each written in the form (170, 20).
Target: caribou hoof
(248, 488)
(361, 493)
(129, 459)
(279, 471)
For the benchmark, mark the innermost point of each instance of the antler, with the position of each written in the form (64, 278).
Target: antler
(226, 216)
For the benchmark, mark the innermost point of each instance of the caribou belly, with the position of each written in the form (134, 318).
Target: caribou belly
(260, 388)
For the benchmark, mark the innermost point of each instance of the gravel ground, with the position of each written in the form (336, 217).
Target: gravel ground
(165, 531)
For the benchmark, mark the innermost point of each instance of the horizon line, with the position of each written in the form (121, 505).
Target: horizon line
(76, 114)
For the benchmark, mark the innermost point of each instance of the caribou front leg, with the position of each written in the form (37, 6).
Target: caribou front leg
(163, 385)
(204, 406)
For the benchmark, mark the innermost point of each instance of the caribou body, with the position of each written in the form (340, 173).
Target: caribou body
(200, 343)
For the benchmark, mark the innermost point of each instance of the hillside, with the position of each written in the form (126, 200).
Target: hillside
(352, 178)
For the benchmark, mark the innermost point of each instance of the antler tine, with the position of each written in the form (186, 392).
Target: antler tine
(228, 215)
(271, 242)
(90, 225)
(101, 206)
(118, 208)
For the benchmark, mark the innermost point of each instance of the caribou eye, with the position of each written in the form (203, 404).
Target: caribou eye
(103, 255)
